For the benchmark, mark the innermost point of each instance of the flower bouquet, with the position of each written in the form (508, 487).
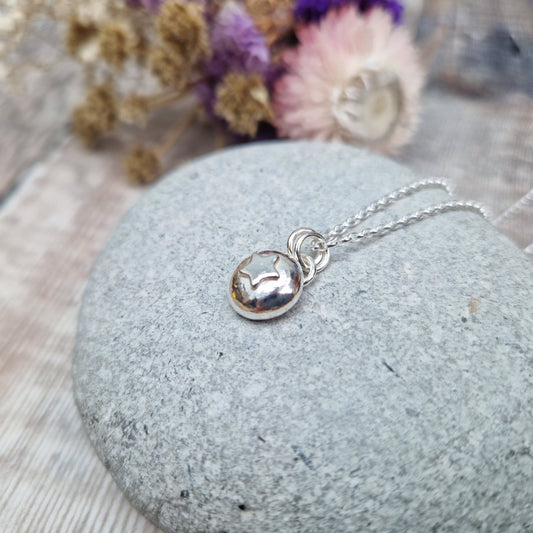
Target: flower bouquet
(329, 70)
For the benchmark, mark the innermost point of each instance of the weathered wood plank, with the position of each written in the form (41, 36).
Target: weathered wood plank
(50, 234)
(34, 121)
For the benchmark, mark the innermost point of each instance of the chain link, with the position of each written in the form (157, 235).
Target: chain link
(342, 233)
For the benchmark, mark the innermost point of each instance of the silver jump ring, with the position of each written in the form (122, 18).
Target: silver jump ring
(309, 269)
(295, 243)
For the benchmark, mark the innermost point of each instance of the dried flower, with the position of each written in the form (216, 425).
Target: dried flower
(331, 69)
(237, 44)
(11, 17)
(97, 116)
(170, 71)
(142, 165)
(81, 40)
(353, 78)
(314, 10)
(243, 101)
(183, 31)
(117, 43)
(273, 18)
(134, 109)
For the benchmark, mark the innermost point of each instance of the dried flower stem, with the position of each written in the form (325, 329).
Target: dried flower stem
(220, 139)
(176, 133)
(158, 101)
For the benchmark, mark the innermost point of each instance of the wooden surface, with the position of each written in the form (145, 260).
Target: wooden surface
(58, 204)
(53, 223)
(50, 231)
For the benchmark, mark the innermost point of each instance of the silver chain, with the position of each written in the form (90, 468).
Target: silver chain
(342, 233)
(318, 258)
(267, 284)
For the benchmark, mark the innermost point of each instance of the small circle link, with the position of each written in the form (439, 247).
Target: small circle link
(321, 256)
(309, 269)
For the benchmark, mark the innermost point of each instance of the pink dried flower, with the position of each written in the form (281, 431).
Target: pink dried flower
(354, 78)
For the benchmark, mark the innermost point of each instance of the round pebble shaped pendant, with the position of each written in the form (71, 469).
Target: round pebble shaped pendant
(268, 284)
(265, 285)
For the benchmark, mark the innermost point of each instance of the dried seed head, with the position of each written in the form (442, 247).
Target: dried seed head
(117, 43)
(182, 30)
(142, 165)
(243, 101)
(273, 18)
(96, 116)
(134, 109)
(81, 40)
(170, 71)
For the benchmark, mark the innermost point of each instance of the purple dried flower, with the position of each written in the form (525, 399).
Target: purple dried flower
(313, 10)
(237, 44)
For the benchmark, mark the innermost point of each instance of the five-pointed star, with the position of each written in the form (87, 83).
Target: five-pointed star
(261, 267)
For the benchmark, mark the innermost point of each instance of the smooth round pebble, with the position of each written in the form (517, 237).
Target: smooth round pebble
(396, 396)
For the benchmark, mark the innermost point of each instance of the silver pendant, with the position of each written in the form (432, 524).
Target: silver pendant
(267, 284)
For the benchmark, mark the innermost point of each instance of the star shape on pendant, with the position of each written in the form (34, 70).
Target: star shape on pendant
(261, 267)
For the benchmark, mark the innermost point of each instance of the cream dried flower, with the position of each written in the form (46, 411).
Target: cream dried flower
(142, 165)
(168, 69)
(134, 109)
(11, 19)
(273, 18)
(354, 78)
(242, 100)
(96, 116)
(117, 43)
(81, 40)
(182, 29)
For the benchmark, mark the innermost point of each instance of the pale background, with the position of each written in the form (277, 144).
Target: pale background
(59, 202)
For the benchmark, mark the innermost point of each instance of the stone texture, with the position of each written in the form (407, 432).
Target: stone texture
(396, 396)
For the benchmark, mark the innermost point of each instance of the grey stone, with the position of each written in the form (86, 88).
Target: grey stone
(396, 396)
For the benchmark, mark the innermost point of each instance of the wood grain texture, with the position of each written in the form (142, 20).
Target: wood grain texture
(34, 122)
(50, 233)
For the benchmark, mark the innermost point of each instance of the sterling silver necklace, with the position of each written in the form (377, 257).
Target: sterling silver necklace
(269, 283)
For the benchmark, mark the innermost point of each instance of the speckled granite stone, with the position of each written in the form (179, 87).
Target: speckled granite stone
(395, 397)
